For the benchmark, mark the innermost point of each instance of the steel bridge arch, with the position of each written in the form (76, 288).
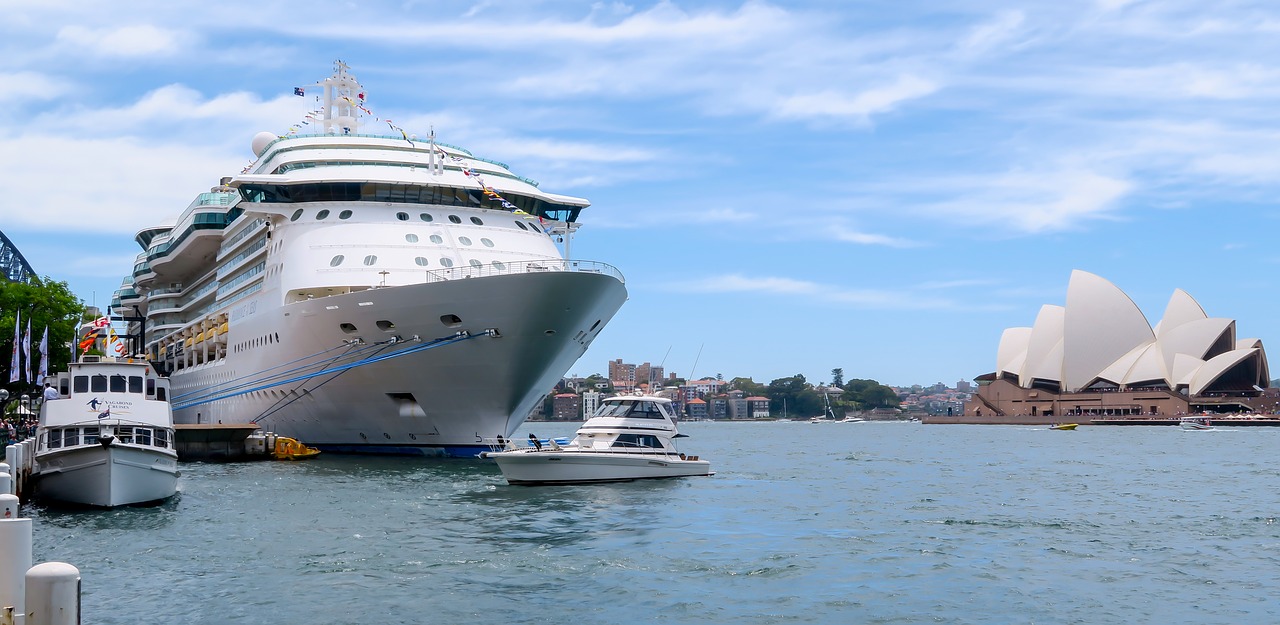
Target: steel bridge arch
(13, 267)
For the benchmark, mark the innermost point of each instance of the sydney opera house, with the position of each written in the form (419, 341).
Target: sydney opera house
(1099, 357)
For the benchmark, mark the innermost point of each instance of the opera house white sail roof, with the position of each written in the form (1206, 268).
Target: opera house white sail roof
(1100, 339)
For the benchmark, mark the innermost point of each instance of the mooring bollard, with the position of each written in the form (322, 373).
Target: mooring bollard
(15, 556)
(53, 594)
(6, 481)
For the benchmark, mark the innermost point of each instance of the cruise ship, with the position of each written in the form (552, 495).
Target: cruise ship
(365, 292)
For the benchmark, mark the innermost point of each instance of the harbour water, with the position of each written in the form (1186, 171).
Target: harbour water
(803, 523)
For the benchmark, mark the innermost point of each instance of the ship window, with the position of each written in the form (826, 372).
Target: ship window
(124, 434)
(499, 265)
(118, 383)
(151, 387)
(344, 215)
(477, 221)
(473, 262)
(71, 437)
(402, 216)
(464, 240)
(451, 321)
(637, 440)
(323, 214)
(98, 383)
(426, 217)
(421, 261)
(161, 394)
(81, 384)
(336, 260)
(447, 262)
(385, 326)
(55, 439)
(296, 215)
(135, 384)
(412, 238)
(487, 242)
(435, 238)
(91, 436)
(455, 219)
(162, 438)
(347, 327)
(370, 259)
(142, 436)
(520, 225)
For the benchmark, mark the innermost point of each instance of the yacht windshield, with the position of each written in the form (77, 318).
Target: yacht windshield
(631, 408)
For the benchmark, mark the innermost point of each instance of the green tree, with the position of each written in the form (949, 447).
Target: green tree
(797, 394)
(748, 386)
(837, 377)
(43, 302)
(867, 394)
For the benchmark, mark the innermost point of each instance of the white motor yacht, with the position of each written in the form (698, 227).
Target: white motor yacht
(630, 437)
(108, 440)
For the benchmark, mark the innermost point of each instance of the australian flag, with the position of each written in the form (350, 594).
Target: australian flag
(299, 91)
(105, 413)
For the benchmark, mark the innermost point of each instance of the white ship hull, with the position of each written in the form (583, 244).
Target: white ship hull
(440, 401)
(106, 477)
(585, 467)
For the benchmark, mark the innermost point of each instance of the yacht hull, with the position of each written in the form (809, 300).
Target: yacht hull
(521, 334)
(106, 477)
(585, 467)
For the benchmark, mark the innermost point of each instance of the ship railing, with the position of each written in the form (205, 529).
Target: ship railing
(519, 267)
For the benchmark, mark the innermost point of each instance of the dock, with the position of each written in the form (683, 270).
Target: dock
(216, 442)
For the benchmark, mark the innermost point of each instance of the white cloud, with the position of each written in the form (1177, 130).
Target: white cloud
(991, 34)
(1036, 202)
(886, 299)
(142, 40)
(35, 86)
(859, 106)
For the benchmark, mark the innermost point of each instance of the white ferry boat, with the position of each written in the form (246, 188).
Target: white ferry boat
(108, 440)
(368, 293)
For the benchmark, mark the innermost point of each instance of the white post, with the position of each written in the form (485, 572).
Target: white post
(6, 479)
(15, 558)
(53, 594)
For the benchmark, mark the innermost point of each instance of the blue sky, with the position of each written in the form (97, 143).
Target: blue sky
(788, 187)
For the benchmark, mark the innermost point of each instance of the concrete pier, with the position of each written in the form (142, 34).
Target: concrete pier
(215, 442)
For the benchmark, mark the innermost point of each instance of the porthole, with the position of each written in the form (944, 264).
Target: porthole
(336, 260)
(426, 217)
(296, 215)
(323, 214)
(386, 326)
(437, 239)
(487, 242)
(473, 262)
(477, 221)
(455, 219)
(344, 215)
(347, 327)
(370, 260)
(402, 216)
(420, 261)
(412, 238)
(451, 321)
(464, 240)
(386, 436)
(520, 225)
(499, 265)
(447, 262)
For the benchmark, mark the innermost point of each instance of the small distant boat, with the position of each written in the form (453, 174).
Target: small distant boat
(851, 420)
(630, 437)
(292, 449)
(108, 440)
(1064, 426)
(1196, 423)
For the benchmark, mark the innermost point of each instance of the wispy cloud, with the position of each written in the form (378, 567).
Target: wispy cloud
(142, 40)
(863, 298)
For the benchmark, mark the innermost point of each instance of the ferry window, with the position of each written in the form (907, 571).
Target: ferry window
(447, 262)
(437, 239)
(464, 240)
(402, 216)
(118, 383)
(344, 215)
(296, 215)
(135, 384)
(323, 214)
(71, 437)
(421, 261)
(142, 436)
(162, 438)
(455, 219)
(473, 262)
(487, 242)
(90, 436)
(63, 387)
(151, 387)
(81, 384)
(520, 225)
(426, 217)
(412, 238)
(476, 221)
(336, 260)
(98, 383)
(370, 259)
(499, 265)
(161, 394)
(55, 439)
(124, 434)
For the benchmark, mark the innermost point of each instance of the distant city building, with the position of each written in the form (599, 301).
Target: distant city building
(696, 409)
(964, 386)
(567, 407)
(718, 407)
(622, 375)
(738, 406)
(590, 403)
(758, 407)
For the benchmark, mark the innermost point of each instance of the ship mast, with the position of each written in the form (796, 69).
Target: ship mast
(342, 95)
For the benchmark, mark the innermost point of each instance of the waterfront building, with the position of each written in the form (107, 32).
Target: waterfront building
(758, 407)
(567, 407)
(696, 409)
(1098, 356)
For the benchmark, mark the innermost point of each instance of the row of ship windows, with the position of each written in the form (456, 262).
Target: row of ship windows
(420, 261)
(323, 214)
(258, 342)
(130, 435)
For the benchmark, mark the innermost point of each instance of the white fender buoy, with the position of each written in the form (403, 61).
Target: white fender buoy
(15, 554)
(6, 482)
(53, 594)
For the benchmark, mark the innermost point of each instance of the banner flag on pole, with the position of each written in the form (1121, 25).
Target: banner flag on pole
(44, 357)
(15, 364)
(26, 349)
